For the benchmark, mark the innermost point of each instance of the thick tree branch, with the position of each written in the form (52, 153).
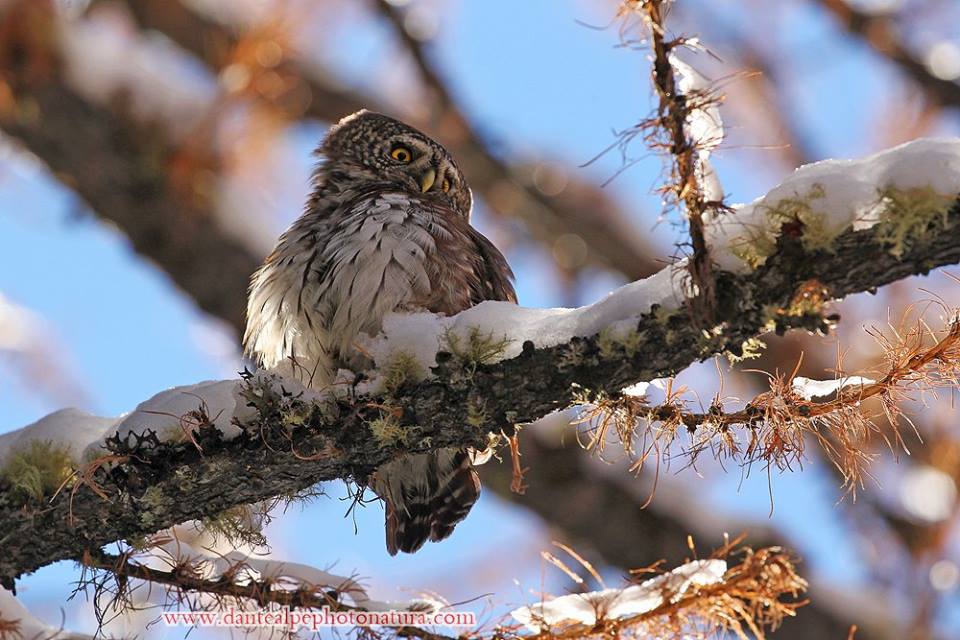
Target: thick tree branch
(154, 489)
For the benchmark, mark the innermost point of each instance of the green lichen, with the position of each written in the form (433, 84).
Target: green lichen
(402, 369)
(278, 410)
(187, 478)
(476, 348)
(909, 214)
(37, 469)
(139, 543)
(296, 414)
(750, 349)
(237, 525)
(388, 431)
(153, 502)
(614, 343)
(815, 231)
(754, 246)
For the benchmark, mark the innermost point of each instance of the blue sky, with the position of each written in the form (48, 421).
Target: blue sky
(538, 80)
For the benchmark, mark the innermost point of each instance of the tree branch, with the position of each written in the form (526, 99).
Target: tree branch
(185, 577)
(674, 111)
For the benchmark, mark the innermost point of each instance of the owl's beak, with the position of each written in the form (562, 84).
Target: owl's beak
(427, 179)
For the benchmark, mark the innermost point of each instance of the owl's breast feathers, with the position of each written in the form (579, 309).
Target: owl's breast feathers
(338, 271)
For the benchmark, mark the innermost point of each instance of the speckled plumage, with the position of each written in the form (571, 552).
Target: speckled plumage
(378, 235)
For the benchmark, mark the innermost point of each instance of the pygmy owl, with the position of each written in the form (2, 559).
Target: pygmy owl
(387, 228)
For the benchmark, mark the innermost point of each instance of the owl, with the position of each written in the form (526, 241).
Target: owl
(386, 228)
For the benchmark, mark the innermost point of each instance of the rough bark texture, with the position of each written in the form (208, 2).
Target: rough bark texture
(154, 489)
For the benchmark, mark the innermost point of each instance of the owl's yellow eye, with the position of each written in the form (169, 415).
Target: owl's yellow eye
(446, 186)
(401, 154)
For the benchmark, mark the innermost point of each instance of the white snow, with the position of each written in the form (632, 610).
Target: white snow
(31, 627)
(638, 390)
(809, 389)
(612, 604)
(641, 389)
(168, 413)
(704, 126)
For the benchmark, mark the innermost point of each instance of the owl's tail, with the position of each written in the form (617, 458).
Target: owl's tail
(426, 495)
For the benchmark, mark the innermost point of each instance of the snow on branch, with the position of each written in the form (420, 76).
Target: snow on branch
(687, 125)
(864, 224)
(905, 195)
(699, 599)
(588, 608)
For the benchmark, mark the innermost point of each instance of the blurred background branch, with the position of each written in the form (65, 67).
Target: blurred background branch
(881, 31)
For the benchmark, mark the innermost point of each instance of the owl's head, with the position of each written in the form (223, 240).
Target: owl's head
(372, 149)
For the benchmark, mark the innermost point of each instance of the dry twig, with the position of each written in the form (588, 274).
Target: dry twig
(668, 131)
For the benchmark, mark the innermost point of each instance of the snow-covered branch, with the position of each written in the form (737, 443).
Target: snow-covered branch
(735, 589)
(698, 599)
